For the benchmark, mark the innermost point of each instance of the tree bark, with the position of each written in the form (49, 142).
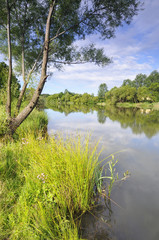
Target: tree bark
(26, 83)
(21, 96)
(24, 80)
(15, 122)
(23, 63)
(8, 105)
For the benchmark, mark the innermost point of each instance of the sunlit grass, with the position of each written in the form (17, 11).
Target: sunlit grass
(45, 186)
(36, 122)
(2, 120)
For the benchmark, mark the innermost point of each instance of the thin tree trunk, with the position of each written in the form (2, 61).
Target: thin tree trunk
(8, 105)
(24, 80)
(21, 96)
(26, 83)
(23, 63)
(29, 108)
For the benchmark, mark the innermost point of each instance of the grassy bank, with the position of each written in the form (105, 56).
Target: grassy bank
(36, 122)
(45, 184)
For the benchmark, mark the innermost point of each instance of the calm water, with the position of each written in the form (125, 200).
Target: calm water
(136, 132)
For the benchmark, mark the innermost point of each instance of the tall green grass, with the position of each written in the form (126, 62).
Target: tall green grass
(45, 185)
(3, 118)
(36, 122)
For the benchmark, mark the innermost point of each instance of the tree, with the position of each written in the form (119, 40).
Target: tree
(102, 91)
(152, 78)
(128, 82)
(140, 80)
(101, 116)
(15, 86)
(26, 27)
(154, 90)
(85, 98)
(66, 21)
(112, 96)
(144, 94)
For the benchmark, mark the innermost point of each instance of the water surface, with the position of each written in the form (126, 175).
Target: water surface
(136, 214)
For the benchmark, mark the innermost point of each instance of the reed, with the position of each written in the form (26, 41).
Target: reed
(45, 185)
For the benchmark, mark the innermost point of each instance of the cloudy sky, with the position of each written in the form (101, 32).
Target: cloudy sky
(134, 50)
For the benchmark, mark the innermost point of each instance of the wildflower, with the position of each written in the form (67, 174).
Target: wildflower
(24, 141)
(42, 177)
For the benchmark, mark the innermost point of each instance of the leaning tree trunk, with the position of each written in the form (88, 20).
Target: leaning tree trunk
(15, 122)
(8, 105)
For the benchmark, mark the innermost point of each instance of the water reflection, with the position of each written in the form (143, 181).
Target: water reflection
(97, 224)
(101, 115)
(136, 131)
(139, 120)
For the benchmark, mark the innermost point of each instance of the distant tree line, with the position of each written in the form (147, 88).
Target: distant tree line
(67, 97)
(142, 89)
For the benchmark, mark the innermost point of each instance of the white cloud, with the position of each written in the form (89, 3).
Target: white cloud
(134, 50)
(131, 50)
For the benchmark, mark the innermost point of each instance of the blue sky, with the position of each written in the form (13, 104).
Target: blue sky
(134, 50)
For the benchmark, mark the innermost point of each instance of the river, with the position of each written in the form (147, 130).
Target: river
(133, 212)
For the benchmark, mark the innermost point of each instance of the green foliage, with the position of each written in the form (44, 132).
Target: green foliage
(154, 90)
(152, 78)
(123, 94)
(140, 80)
(3, 120)
(78, 18)
(110, 96)
(36, 122)
(67, 21)
(101, 116)
(139, 117)
(3, 83)
(27, 31)
(112, 175)
(144, 94)
(68, 98)
(128, 82)
(130, 91)
(103, 89)
(141, 89)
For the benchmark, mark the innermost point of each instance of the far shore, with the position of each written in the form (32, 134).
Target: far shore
(144, 105)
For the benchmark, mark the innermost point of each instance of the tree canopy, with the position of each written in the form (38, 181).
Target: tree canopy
(37, 32)
(102, 90)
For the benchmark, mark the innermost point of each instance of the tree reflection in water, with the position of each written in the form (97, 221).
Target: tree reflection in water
(139, 120)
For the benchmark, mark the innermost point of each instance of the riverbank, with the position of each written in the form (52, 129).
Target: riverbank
(45, 184)
(145, 105)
